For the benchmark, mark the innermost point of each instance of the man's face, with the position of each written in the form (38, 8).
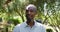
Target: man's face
(30, 14)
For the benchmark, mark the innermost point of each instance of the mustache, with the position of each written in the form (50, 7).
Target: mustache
(27, 16)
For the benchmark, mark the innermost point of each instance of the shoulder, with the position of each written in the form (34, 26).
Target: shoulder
(16, 28)
(20, 25)
(41, 26)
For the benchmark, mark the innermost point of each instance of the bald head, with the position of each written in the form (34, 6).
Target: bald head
(31, 7)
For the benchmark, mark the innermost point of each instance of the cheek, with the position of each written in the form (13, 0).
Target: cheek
(33, 15)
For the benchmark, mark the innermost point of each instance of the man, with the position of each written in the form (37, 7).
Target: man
(30, 25)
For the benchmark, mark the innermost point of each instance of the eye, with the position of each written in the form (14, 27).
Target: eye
(26, 10)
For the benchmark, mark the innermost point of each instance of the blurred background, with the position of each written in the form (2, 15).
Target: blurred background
(12, 12)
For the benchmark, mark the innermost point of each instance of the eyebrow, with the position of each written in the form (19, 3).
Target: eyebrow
(31, 10)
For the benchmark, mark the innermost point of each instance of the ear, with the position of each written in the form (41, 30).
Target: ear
(35, 13)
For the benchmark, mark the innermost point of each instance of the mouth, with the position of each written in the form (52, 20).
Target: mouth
(28, 17)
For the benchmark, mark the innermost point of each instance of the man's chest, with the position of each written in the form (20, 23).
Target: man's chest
(30, 30)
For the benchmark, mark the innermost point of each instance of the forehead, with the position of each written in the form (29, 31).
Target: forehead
(30, 11)
(31, 8)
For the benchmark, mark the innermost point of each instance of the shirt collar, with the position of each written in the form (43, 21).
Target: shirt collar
(35, 25)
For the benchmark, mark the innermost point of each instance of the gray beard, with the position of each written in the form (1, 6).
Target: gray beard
(29, 19)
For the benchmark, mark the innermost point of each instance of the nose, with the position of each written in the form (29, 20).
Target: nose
(29, 12)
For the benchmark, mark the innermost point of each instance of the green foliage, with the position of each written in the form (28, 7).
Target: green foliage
(17, 8)
(15, 20)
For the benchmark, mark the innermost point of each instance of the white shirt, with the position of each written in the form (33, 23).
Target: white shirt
(26, 28)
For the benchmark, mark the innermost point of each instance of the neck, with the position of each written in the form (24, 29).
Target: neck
(30, 23)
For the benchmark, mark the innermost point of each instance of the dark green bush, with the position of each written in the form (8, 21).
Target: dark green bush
(13, 21)
(49, 30)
